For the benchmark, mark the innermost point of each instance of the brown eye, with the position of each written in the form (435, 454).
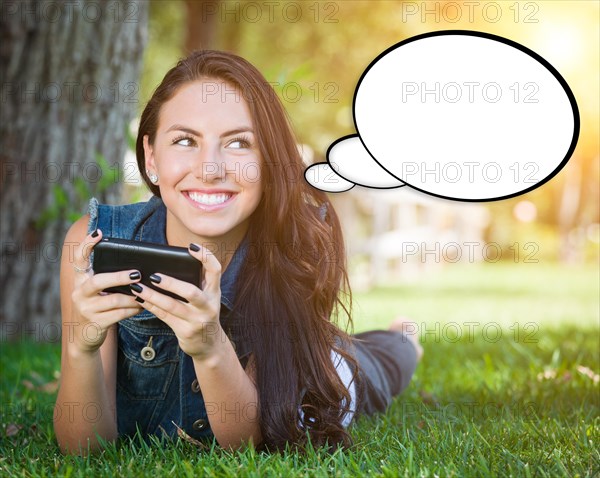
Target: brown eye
(239, 143)
(184, 141)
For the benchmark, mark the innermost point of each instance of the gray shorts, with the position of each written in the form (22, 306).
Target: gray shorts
(387, 360)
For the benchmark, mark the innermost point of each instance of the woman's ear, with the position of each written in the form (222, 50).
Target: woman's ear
(149, 155)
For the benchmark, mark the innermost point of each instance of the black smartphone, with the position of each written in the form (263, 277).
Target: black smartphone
(113, 255)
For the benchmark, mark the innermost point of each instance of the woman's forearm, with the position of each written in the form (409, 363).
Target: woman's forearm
(83, 408)
(230, 396)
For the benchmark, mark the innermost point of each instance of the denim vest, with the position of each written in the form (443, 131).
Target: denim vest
(158, 392)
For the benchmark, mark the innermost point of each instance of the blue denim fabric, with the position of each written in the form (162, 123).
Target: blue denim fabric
(161, 394)
(158, 394)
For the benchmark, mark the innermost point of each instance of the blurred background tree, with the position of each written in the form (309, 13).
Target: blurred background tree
(69, 75)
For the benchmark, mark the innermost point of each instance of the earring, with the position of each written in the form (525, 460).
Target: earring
(153, 177)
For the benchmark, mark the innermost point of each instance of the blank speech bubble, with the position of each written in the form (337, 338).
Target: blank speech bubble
(461, 115)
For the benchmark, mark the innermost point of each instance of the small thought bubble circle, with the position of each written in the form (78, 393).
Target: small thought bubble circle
(352, 161)
(461, 115)
(323, 176)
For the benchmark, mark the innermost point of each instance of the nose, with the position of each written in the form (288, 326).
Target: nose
(208, 166)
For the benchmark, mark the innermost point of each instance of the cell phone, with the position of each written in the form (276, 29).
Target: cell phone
(114, 255)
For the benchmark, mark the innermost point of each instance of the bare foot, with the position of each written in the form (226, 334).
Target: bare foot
(411, 330)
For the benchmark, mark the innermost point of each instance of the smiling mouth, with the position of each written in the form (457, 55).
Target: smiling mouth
(209, 199)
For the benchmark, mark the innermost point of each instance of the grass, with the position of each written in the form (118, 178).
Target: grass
(523, 401)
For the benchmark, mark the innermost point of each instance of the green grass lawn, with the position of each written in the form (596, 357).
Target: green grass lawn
(508, 386)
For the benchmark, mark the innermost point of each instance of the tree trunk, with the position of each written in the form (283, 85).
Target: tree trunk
(202, 17)
(69, 76)
(571, 246)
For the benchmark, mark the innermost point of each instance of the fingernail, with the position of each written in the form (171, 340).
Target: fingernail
(95, 233)
(155, 278)
(135, 275)
(136, 288)
(194, 247)
(139, 299)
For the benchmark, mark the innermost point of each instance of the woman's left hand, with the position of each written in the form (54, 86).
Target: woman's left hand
(196, 323)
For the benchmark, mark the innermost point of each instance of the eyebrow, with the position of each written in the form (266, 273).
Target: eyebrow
(185, 129)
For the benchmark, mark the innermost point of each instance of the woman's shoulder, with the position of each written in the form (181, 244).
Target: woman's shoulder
(78, 230)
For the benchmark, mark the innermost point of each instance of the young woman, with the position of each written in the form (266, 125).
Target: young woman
(254, 355)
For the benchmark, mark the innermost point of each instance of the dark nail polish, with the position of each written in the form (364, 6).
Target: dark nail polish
(139, 299)
(135, 275)
(156, 279)
(95, 233)
(136, 287)
(194, 247)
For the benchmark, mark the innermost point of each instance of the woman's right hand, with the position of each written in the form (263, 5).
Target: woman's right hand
(94, 311)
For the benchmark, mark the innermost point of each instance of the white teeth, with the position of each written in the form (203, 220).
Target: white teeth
(209, 199)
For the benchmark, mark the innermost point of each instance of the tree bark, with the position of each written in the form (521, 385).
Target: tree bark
(69, 76)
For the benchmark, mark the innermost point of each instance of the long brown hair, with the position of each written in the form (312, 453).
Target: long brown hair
(293, 288)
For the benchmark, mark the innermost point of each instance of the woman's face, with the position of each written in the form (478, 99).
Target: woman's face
(207, 162)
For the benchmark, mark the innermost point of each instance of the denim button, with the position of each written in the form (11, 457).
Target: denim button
(195, 386)
(200, 424)
(148, 354)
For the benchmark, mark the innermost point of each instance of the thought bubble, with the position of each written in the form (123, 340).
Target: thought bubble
(322, 176)
(352, 161)
(461, 115)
